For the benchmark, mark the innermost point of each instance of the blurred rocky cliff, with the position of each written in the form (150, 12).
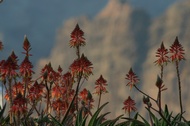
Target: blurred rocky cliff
(121, 37)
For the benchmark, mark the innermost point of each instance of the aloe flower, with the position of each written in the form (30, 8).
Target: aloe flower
(19, 105)
(36, 92)
(177, 51)
(26, 68)
(129, 105)
(48, 73)
(161, 54)
(9, 67)
(26, 47)
(86, 98)
(77, 38)
(101, 84)
(81, 65)
(132, 78)
(177, 54)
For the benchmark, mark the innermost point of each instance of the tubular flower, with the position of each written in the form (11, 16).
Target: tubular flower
(36, 92)
(26, 68)
(129, 105)
(77, 38)
(132, 78)
(86, 98)
(59, 69)
(81, 65)
(58, 91)
(1, 45)
(19, 105)
(177, 51)
(48, 73)
(68, 80)
(26, 46)
(101, 84)
(18, 88)
(162, 55)
(59, 105)
(9, 67)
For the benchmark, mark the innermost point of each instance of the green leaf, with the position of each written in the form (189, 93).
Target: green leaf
(55, 121)
(115, 120)
(175, 120)
(155, 119)
(125, 123)
(100, 119)
(135, 122)
(80, 121)
(94, 117)
(146, 122)
(79, 118)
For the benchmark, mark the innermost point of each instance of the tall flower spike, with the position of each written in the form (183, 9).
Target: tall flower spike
(35, 92)
(129, 105)
(26, 68)
(132, 78)
(9, 67)
(100, 87)
(161, 54)
(177, 51)
(86, 98)
(19, 105)
(26, 46)
(82, 65)
(77, 38)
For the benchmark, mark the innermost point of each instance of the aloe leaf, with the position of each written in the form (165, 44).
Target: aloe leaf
(55, 121)
(146, 122)
(79, 118)
(115, 120)
(94, 117)
(100, 118)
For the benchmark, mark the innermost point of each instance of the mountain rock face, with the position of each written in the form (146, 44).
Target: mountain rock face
(121, 37)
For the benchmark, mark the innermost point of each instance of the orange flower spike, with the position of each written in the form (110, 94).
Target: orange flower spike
(26, 46)
(58, 105)
(82, 65)
(132, 78)
(177, 51)
(86, 98)
(19, 105)
(48, 73)
(9, 67)
(129, 105)
(57, 92)
(68, 80)
(26, 68)
(18, 88)
(59, 69)
(36, 92)
(77, 38)
(162, 55)
(83, 94)
(101, 84)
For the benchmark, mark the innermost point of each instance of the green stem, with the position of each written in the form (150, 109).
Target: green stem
(99, 99)
(145, 94)
(11, 100)
(159, 91)
(75, 96)
(179, 87)
(48, 97)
